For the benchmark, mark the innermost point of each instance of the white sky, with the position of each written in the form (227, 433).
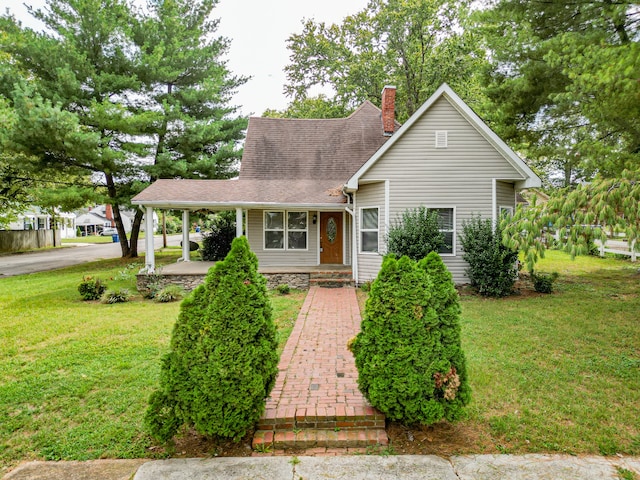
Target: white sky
(258, 30)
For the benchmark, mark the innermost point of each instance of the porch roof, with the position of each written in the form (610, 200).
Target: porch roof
(242, 193)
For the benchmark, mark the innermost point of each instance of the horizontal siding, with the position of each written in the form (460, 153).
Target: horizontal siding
(370, 195)
(459, 176)
(506, 195)
(284, 258)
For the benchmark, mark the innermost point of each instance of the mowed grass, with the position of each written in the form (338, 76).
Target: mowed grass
(559, 372)
(75, 376)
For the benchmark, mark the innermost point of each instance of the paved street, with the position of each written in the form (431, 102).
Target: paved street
(68, 255)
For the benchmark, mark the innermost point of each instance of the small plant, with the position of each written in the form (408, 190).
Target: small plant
(625, 474)
(170, 293)
(366, 286)
(283, 289)
(152, 286)
(263, 448)
(128, 272)
(91, 288)
(116, 296)
(543, 282)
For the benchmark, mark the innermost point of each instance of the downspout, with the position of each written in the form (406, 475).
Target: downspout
(494, 203)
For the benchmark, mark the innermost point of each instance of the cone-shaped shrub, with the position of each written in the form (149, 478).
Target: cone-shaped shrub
(445, 301)
(404, 367)
(222, 362)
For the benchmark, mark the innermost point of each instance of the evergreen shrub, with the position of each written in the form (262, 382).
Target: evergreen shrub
(222, 362)
(492, 265)
(416, 234)
(543, 282)
(91, 288)
(216, 243)
(408, 354)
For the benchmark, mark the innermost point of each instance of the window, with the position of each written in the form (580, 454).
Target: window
(285, 230)
(369, 229)
(447, 223)
(506, 212)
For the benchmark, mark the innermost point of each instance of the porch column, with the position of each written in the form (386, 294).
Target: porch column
(186, 255)
(150, 260)
(238, 222)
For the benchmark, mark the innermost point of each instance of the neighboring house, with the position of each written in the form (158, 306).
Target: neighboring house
(94, 220)
(36, 218)
(314, 192)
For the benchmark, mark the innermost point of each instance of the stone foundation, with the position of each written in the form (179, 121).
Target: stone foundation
(145, 282)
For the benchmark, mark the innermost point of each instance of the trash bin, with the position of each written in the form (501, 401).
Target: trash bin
(115, 238)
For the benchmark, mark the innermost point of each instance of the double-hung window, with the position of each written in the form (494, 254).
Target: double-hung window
(285, 230)
(447, 225)
(369, 230)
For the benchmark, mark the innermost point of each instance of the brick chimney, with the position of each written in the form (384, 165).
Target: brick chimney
(388, 109)
(108, 212)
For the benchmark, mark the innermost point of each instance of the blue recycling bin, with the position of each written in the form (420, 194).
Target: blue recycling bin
(115, 238)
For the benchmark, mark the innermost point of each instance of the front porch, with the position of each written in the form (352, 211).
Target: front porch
(191, 274)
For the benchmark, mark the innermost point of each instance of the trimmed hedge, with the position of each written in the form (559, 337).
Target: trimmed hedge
(410, 363)
(223, 362)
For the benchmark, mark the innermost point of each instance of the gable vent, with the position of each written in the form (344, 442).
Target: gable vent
(441, 139)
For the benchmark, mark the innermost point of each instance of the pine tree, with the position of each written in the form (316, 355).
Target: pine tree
(223, 361)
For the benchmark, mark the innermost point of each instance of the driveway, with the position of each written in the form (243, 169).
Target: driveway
(66, 256)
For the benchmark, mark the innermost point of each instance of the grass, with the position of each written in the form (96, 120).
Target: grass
(75, 376)
(559, 372)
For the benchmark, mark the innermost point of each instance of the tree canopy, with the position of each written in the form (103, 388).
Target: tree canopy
(115, 97)
(415, 45)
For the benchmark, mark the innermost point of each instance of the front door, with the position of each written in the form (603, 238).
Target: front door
(331, 237)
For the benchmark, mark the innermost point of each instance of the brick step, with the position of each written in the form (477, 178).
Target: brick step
(312, 438)
(342, 418)
(328, 275)
(331, 282)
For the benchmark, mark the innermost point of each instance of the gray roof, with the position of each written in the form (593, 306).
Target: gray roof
(286, 162)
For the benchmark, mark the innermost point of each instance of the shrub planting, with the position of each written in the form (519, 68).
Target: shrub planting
(116, 296)
(408, 355)
(543, 282)
(223, 358)
(91, 288)
(283, 289)
(492, 265)
(216, 243)
(170, 293)
(416, 234)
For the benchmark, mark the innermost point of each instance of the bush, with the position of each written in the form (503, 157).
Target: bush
(170, 293)
(222, 362)
(492, 266)
(543, 282)
(283, 289)
(416, 235)
(408, 355)
(91, 288)
(116, 296)
(216, 244)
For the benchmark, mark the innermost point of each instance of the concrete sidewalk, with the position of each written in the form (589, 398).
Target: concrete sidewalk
(356, 467)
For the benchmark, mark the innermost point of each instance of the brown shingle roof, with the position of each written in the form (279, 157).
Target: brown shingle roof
(290, 162)
(193, 193)
(278, 148)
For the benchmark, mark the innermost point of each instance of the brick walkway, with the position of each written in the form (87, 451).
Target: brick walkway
(316, 401)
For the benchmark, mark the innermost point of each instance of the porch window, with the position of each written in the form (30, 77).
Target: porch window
(369, 229)
(297, 230)
(285, 230)
(447, 225)
(274, 230)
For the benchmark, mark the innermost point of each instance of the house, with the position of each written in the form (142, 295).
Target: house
(324, 192)
(92, 221)
(36, 218)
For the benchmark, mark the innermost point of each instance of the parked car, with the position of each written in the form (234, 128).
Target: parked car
(107, 231)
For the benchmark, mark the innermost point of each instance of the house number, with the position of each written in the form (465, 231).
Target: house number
(332, 230)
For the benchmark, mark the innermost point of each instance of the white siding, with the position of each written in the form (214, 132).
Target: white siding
(281, 258)
(506, 195)
(459, 176)
(371, 195)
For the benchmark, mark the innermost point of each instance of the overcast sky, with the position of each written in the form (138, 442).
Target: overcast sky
(258, 30)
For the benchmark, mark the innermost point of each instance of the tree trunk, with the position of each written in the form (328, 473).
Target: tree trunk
(135, 233)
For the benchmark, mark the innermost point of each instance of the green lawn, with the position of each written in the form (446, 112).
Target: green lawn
(550, 373)
(75, 376)
(559, 372)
